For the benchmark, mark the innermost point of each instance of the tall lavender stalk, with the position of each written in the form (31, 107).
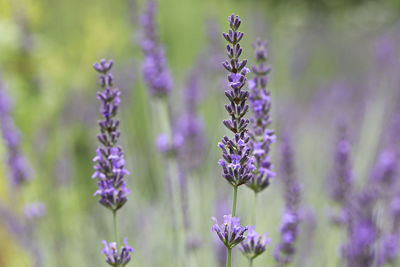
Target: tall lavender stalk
(158, 79)
(237, 164)
(261, 136)
(110, 163)
(285, 249)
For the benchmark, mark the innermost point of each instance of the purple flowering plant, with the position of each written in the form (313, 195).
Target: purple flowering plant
(110, 163)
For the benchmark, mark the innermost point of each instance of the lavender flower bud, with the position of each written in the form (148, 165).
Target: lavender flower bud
(254, 245)
(113, 257)
(230, 232)
(155, 71)
(110, 163)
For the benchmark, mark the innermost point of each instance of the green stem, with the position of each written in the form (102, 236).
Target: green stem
(251, 262)
(229, 254)
(165, 123)
(116, 229)
(235, 188)
(254, 215)
(228, 257)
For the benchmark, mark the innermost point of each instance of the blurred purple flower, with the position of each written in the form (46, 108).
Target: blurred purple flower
(341, 179)
(285, 250)
(261, 136)
(34, 211)
(18, 165)
(155, 71)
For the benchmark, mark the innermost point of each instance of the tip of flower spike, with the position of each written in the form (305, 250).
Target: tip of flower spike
(103, 66)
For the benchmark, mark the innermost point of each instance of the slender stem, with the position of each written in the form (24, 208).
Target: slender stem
(235, 188)
(251, 262)
(254, 215)
(228, 257)
(176, 190)
(229, 254)
(115, 228)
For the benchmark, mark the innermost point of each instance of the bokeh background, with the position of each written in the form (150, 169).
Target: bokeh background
(331, 61)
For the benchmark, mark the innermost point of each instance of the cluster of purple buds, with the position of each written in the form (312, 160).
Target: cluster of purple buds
(236, 162)
(168, 148)
(155, 71)
(110, 164)
(19, 167)
(254, 245)
(286, 249)
(115, 257)
(261, 136)
(362, 229)
(230, 232)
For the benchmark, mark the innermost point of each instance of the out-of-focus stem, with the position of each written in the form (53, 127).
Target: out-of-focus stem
(250, 262)
(254, 214)
(176, 193)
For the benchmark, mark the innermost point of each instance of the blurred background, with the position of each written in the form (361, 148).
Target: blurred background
(331, 61)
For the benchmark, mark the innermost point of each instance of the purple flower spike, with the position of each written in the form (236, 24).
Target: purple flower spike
(113, 257)
(261, 136)
(18, 164)
(110, 163)
(285, 250)
(341, 179)
(230, 232)
(155, 71)
(254, 245)
(237, 163)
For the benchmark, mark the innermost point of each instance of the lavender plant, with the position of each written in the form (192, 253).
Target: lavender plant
(110, 163)
(261, 136)
(285, 250)
(158, 79)
(237, 164)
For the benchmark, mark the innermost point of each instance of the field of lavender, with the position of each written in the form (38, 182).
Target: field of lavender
(199, 133)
